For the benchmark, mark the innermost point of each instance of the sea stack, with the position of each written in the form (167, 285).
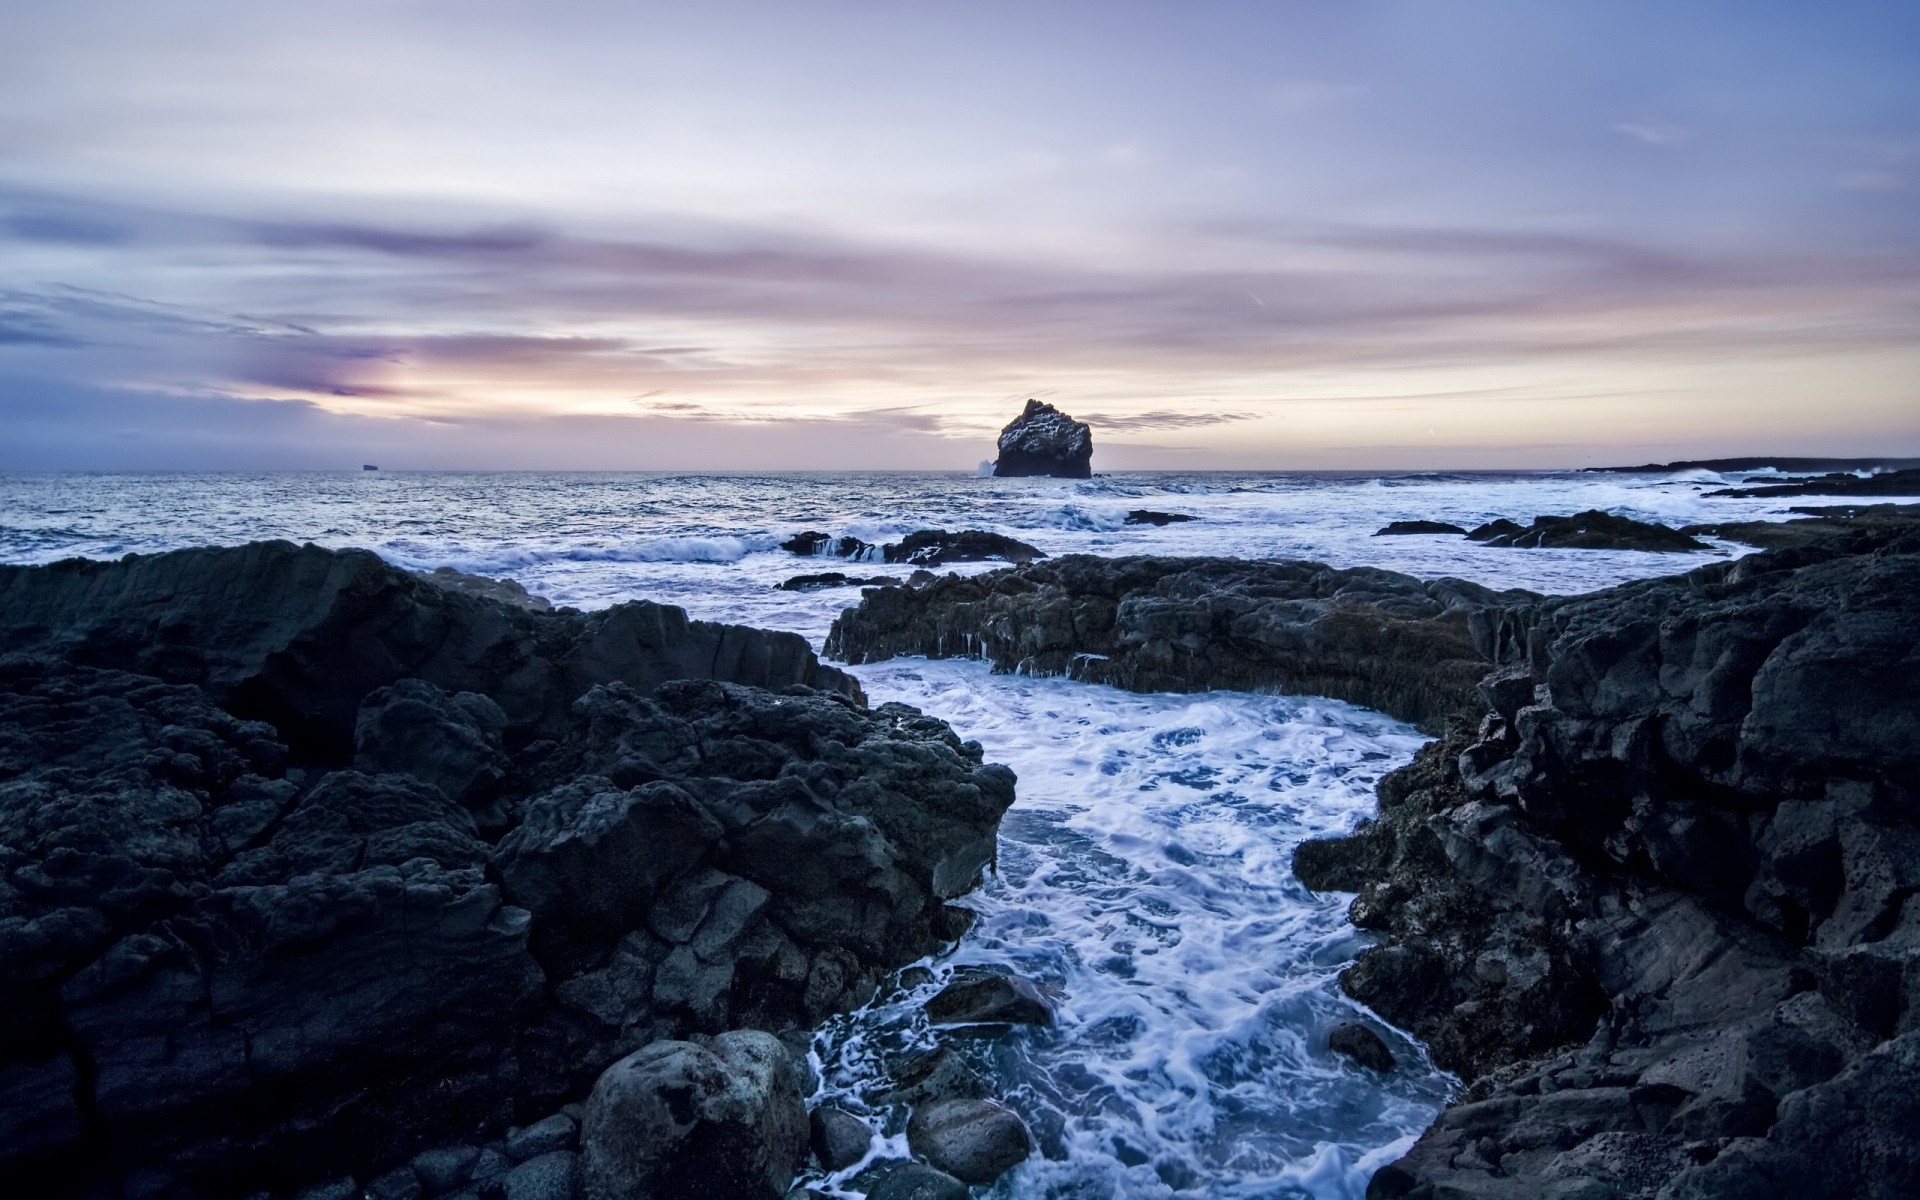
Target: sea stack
(1042, 440)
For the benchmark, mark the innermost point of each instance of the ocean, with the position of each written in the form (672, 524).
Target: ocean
(1144, 873)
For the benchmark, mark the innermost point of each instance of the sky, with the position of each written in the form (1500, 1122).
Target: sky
(726, 235)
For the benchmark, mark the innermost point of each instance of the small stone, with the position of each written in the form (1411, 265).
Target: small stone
(839, 1138)
(556, 1132)
(550, 1176)
(398, 1184)
(973, 1140)
(916, 1181)
(491, 1163)
(335, 1189)
(1360, 1044)
(978, 996)
(445, 1167)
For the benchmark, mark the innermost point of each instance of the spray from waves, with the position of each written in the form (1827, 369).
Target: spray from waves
(1145, 877)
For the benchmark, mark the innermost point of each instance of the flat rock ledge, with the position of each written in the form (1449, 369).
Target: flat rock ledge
(1410, 647)
(1661, 906)
(314, 873)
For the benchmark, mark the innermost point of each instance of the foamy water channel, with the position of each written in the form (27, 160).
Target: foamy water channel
(1144, 879)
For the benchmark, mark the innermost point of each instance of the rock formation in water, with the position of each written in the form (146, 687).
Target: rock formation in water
(1590, 530)
(1403, 528)
(1765, 464)
(921, 548)
(1838, 483)
(1147, 516)
(1662, 909)
(1042, 440)
(313, 870)
(1406, 646)
(1818, 524)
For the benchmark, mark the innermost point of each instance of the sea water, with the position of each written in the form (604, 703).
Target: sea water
(1143, 875)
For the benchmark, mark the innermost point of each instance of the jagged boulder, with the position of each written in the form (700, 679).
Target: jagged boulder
(299, 635)
(1042, 440)
(231, 966)
(678, 1119)
(1658, 907)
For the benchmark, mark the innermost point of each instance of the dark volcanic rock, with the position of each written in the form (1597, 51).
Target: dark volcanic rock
(223, 973)
(980, 996)
(1839, 483)
(1819, 525)
(839, 1138)
(832, 579)
(975, 1141)
(298, 635)
(1396, 528)
(507, 591)
(1042, 440)
(1760, 464)
(922, 548)
(900, 1180)
(810, 542)
(678, 1120)
(937, 547)
(1353, 1040)
(1410, 647)
(1590, 530)
(1660, 907)
(1147, 516)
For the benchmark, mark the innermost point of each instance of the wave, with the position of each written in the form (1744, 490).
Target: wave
(507, 559)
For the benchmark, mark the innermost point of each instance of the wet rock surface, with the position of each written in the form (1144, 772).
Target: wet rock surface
(922, 548)
(1147, 516)
(1357, 1042)
(1042, 440)
(1659, 906)
(1411, 647)
(979, 996)
(975, 1141)
(836, 579)
(369, 937)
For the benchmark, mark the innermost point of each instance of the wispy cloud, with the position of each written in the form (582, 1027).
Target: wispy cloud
(1162, 419)
(1655, 133)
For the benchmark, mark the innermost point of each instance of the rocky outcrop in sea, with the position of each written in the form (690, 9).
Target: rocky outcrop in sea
(314, 872)
(921, 548)
(1661, 907)
(1837, 483)
(1042, 440)
(1410, 647)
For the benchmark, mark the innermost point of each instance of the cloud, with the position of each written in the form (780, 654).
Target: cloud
(743, 326)
(1162, 419)
(1655, 133)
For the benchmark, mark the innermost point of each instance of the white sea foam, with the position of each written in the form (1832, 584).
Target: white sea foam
(1144, 876)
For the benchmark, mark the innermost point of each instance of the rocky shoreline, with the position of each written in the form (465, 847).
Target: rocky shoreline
(326, 879)
(321, 875)
(1655, 892)
(1659, 907)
